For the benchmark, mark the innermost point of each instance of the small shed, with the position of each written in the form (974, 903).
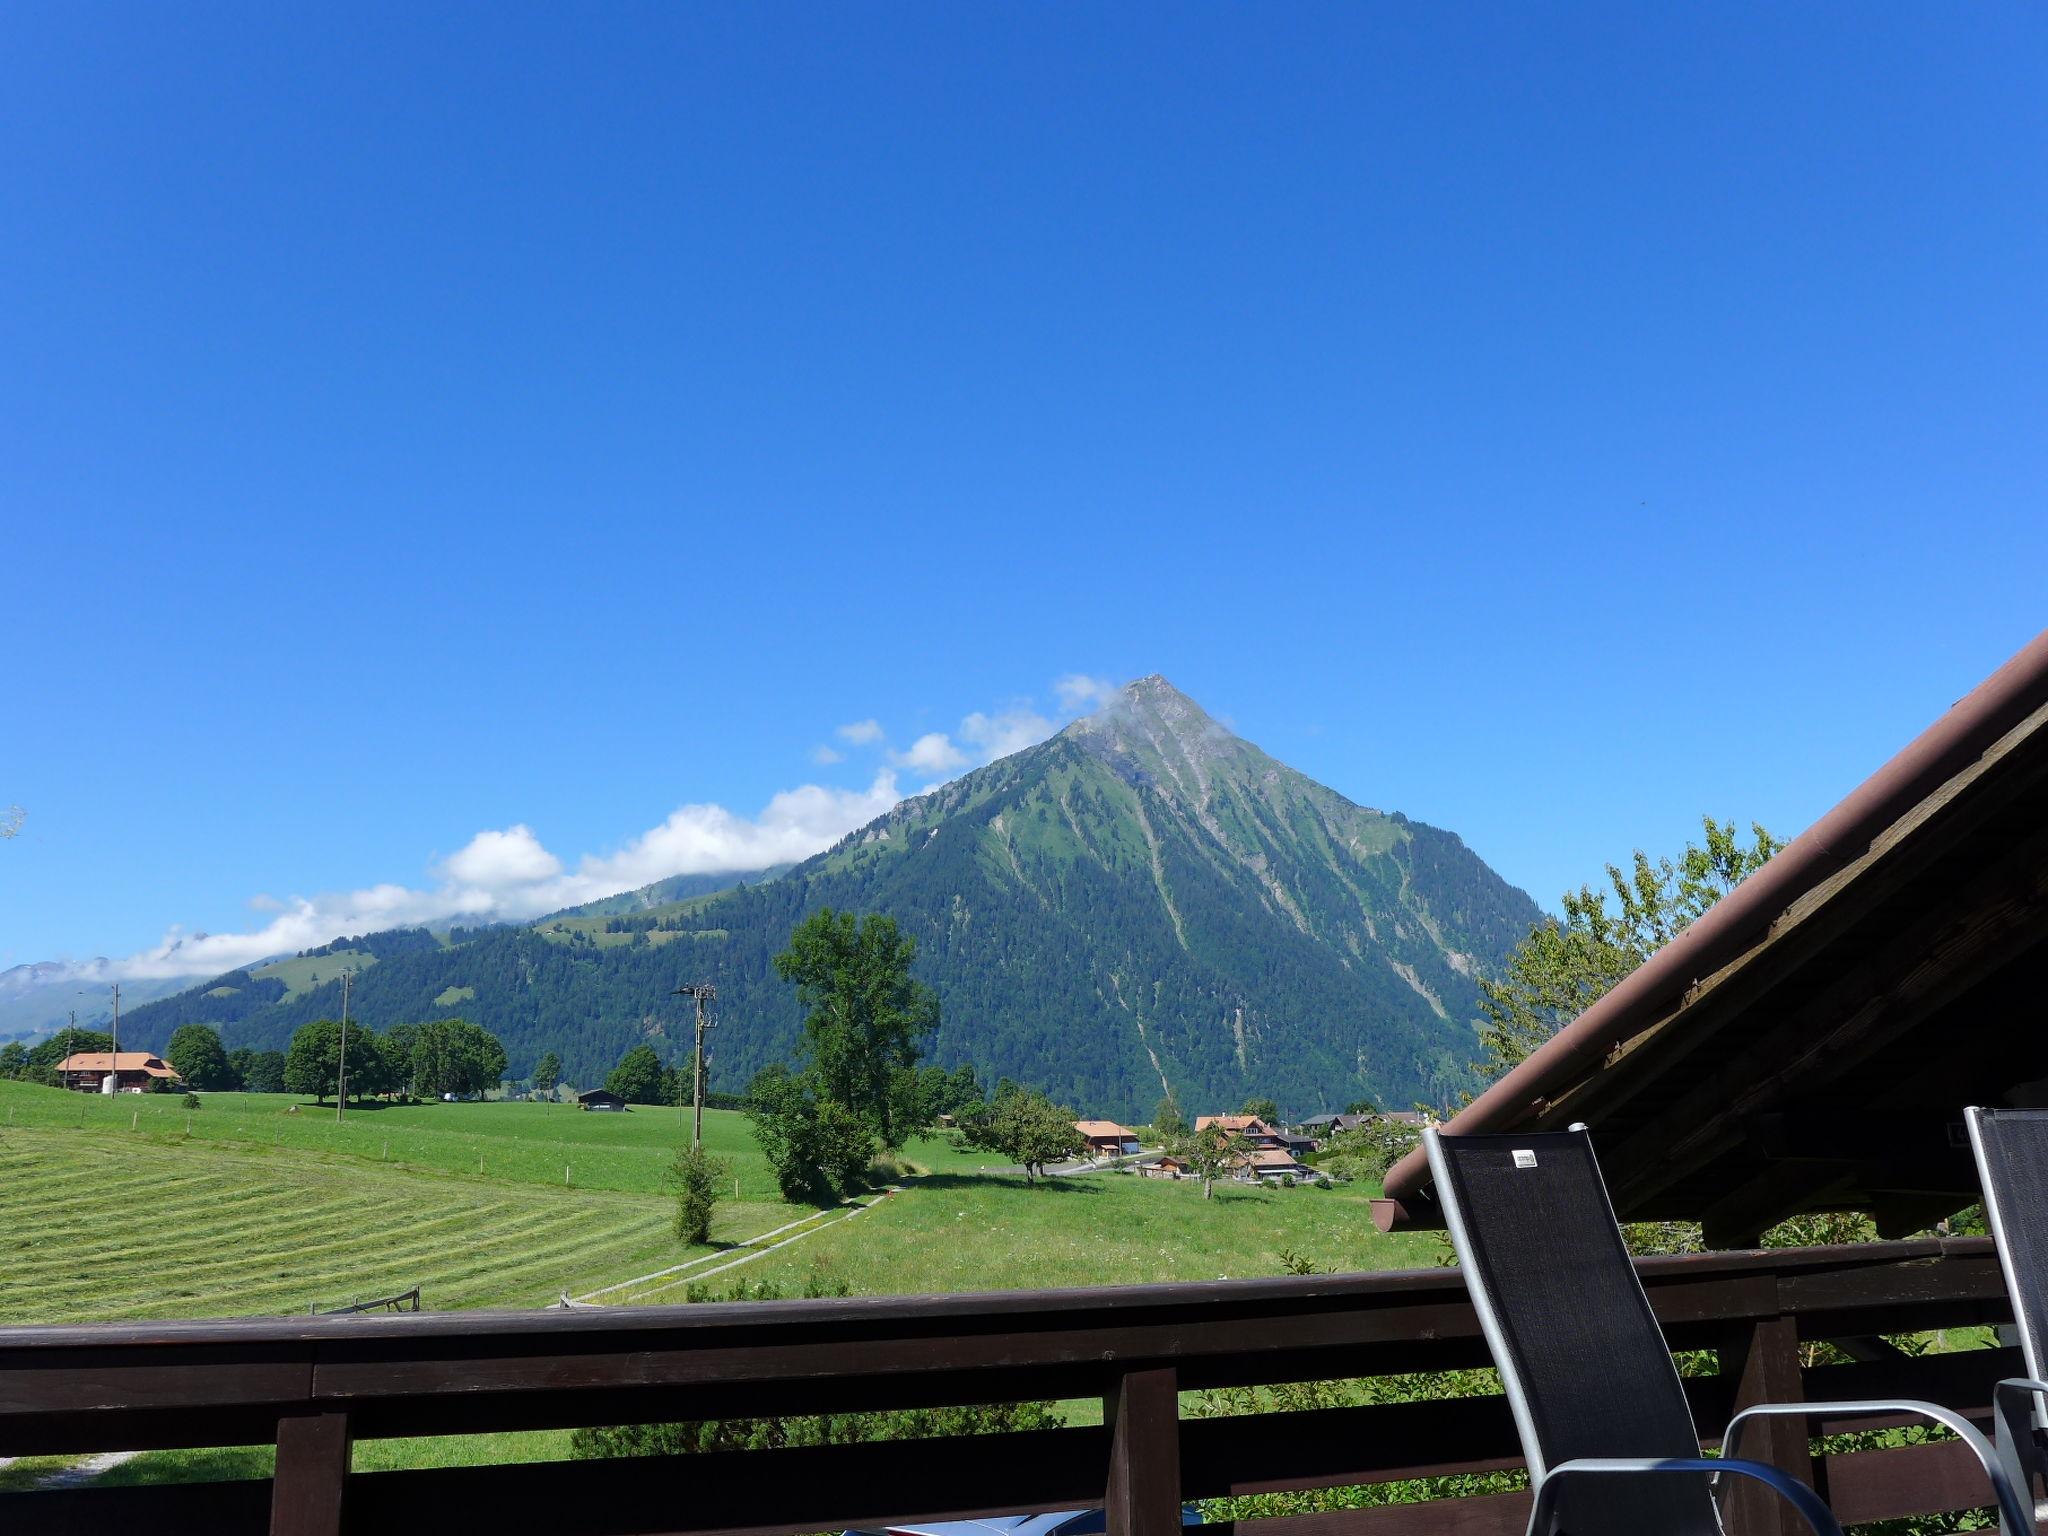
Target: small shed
(600, 1098)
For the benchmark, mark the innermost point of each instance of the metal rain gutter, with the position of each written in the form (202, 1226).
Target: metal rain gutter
(1736, 922)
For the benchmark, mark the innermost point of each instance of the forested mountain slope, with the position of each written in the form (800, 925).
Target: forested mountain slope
(1144, 903)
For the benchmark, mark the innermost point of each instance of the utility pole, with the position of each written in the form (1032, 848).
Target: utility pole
(704, 992)
(114, 1060)
(341, 1071)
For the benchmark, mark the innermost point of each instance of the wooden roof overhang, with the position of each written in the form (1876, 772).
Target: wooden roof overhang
(1823, 1060)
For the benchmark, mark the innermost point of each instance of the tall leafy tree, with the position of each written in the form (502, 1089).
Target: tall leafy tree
(547, 1072)
(455, 1056)
(313, 1062)
(197, 1054)
(260, 1071)
(637, 1077)
(1566, 965)
(865, 1016)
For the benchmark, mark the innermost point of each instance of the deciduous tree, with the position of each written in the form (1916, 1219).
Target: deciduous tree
(637, 1077)
(864, 1014)
(1026, 1127)
(312, 1064)
(196, 1052)
(1566, 965)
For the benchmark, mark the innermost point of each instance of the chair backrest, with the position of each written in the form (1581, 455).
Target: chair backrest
(1581, 1358)
(2011, 1147)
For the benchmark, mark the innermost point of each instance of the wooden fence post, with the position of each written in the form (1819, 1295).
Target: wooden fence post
(1762, 1358)
(1143, 1497)
(312, 1475)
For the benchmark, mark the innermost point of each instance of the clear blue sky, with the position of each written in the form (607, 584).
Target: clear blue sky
(1552, 423)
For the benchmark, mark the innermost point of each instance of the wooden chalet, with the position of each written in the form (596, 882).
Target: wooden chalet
(1106, 1138)
(1251, 1127)
(1271, 1164)
(601, 1098)
(1806, 1046)
(133, 1071)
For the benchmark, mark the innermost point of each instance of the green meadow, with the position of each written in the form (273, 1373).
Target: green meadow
(983, 1232)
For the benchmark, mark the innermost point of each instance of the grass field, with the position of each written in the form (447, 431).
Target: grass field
(529, 1143)
(971, 1232)
(105, 1227)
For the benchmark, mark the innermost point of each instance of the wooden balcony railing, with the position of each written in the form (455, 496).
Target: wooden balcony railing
(313, 1385)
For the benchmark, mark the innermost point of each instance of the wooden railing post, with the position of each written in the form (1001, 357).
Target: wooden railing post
(312, 1475)
(1762, 1357)
(1143, 1412)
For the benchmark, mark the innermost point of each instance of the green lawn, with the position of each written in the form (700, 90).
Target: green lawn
(970, 1232)
(527, 1143)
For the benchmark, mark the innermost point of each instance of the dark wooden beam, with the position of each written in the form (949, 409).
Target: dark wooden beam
(308, 1494)
(1143, 1415)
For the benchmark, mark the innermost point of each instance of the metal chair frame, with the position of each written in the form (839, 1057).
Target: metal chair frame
(2015, 1517)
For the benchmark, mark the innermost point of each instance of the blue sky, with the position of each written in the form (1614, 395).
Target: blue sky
(1552, 424)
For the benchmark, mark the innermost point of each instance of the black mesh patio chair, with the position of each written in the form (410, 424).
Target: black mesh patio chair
(1604, 1422)
(2011, 1148)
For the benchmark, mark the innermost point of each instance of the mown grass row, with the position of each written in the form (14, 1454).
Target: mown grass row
(123, 1227)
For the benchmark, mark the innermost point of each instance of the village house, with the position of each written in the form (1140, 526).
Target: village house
(133, 1071)
(1106, 1138)
(1273, 1163)
(1251, 1127)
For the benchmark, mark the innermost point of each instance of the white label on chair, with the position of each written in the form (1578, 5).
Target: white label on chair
(1524, 1158)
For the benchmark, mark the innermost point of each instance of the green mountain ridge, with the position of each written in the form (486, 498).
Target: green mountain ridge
(1145, 903)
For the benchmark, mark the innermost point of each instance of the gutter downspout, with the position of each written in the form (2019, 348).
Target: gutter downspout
(1737, 921)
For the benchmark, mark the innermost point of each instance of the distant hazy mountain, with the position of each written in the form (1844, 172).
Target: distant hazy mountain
(36, 999)
(1144, 903)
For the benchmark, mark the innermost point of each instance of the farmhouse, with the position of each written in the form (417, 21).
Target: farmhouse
(1274, 1163)
(600, 1098)
(1106, 1138)
(134, 1071)
(1251, 1127)
(1168, 1167)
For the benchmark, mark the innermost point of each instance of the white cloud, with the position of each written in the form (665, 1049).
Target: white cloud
(1011, 730)
(508, 874)
(932, 752)
(1080, 694)
(495, 859)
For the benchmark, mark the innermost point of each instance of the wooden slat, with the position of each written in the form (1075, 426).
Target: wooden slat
(1143, 1494)
(309, 1491)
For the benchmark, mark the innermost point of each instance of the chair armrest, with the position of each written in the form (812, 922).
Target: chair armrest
(1802, 1498)
(2015, 1515)
(2019, 1448)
